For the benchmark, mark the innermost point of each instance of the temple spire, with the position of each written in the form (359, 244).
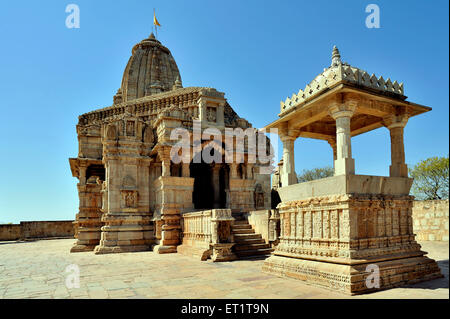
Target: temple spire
(335, 57)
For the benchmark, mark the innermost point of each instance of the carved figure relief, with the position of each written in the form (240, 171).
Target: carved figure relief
(223, 231)
(111, 132)
(129, 199)
(148, 135)
(130, 128)
(211, 114)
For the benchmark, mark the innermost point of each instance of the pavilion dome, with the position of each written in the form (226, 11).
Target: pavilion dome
(151, 69)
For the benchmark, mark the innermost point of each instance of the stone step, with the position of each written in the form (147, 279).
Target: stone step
(241, 222)
(250, 241)
(243, 231)
(242, 226)
(253, 252)
(242, 237)
(240, 247)
(257, 257)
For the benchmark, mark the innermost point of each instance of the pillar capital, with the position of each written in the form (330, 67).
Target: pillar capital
(394, 121)
(338, 110)
(286, 133)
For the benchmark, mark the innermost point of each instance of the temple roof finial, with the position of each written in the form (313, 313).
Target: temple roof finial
(335, 57)
(152, 36)
(177, 84)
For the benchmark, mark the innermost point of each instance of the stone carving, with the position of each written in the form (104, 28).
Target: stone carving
(211, 114)
(130, 128)
(338, 72)
(129, 199)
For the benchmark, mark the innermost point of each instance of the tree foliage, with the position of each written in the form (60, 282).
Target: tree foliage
(430, 178)
(315, 173)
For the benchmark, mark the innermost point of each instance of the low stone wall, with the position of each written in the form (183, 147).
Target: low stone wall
(431, 220)
(36, 229)
(265, 222)
(10, 232)
(208, 234)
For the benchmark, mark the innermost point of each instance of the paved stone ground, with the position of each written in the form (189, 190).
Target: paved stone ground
(37, 270)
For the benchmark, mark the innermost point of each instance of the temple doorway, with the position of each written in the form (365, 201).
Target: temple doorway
(211, 184)
(203, 195)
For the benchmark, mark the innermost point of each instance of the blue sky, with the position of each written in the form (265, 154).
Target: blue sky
(257, 52)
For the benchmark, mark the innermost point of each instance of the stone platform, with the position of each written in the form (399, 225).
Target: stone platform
(352, 227)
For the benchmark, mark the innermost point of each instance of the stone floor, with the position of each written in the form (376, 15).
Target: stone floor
(37, 270)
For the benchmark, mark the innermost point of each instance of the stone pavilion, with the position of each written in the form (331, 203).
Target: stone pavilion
(337, 231)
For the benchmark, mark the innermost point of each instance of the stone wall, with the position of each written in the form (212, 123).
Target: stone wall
(431, 220)
(10, 232)
(36, 229)
(265, 222)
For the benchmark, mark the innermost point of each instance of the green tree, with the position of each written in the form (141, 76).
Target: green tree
(315, 173)
(430, 178)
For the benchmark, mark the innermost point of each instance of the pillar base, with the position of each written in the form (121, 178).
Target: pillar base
(162, 249)
(398, 170)
(351, 279)
(88, 239)
(125, 232)
(82, 248)
(222, 252)
(344, 166)
(201, 253)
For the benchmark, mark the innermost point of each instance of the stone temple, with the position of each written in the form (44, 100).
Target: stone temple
(132, 196)
(341, 232)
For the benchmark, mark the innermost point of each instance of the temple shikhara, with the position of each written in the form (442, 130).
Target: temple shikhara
(335, 232)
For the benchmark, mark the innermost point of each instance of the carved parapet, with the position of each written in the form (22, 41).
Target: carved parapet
(341, 73)
(208, 233)
(321, 236)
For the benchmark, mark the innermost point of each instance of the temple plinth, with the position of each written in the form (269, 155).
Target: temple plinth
(351, 233)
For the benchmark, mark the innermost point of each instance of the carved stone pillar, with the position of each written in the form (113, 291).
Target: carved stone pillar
(396, 125)
(333, 145)
(342, 113)
(82, 170)
(202, 111)
(288, 176)
(249, 171)
(185, 170)
(220, 116)
(233, 170)
(165, 159)
(216, 184)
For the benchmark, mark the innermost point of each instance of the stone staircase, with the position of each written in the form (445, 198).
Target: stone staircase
(248, 245)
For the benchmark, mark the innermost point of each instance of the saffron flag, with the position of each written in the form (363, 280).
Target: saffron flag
(155, 21)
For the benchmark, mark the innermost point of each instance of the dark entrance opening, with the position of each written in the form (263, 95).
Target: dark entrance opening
(224, 174)
(203, 195)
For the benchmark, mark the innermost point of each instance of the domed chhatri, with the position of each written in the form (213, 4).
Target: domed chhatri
(151, 69)
(132, 195)
(337, 228)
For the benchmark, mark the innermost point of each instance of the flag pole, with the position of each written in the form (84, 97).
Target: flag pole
(156, 27)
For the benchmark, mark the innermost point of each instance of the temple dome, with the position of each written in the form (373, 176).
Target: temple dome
(151, 69)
